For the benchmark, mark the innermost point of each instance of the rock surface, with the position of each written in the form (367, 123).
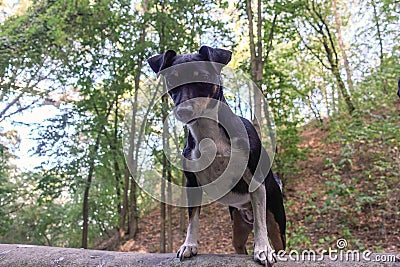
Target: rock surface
(34, 256)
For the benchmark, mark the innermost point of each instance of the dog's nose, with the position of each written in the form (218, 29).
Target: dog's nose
(185, 113)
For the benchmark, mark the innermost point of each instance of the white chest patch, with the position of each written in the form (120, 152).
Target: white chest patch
(213, 172)
(222, 170)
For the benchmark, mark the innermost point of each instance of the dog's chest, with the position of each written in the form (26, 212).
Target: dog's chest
(218, 164)
(220, 175)
(223, 169)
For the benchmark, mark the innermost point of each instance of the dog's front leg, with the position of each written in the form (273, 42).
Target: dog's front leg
(189, 248)
(263, 252)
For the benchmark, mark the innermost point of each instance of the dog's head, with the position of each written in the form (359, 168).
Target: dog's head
(192, 80)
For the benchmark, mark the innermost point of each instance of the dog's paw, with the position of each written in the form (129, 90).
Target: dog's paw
(265, 256)
(187, 251)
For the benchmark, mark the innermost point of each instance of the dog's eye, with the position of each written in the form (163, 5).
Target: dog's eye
(205, 77)
(171, 82)
(172, 92)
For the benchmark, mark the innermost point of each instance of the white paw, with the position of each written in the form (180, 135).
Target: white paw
(187, 251)
(264, 255)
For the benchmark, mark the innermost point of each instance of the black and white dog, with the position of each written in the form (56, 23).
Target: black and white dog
(195, 90)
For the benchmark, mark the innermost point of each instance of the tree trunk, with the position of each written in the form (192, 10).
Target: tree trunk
(341, 46)
(85, 212)
(134, 147)
(115, 148)
(133, 217)
(164, 177)
(379, 35)
(132, 165)
(322, 28)
(182, 217)
(124, 210)
(256, 63)
(343, 90)
(162, 220)
(169, 211)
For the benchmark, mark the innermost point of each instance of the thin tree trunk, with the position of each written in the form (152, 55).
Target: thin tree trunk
(341, 46)
(163, 178)
(333, 109)
(162, 220)
(134, 148)
(164, 158)
(325, 95)
(133, 216)
(251, 37)
(257, 64)
(256, 59)
(132, 161)
(169, 211)
(182, 211)
(124, 210)
(323, 29)
(343, 90)
(379, 35)
(85, 212)
(115, 148)
(132, 164)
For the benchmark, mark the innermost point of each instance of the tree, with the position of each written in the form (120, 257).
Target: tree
(378, 37)
(317, 32)
(184, 36)
(341, 45)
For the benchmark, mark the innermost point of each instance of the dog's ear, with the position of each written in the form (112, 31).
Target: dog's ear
(216, 54)
(162, 61)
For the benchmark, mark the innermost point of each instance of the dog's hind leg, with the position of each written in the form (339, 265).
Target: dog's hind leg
(277, 239)
(276, 218)
(241, 229)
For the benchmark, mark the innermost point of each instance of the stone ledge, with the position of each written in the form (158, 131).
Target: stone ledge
(33, 256)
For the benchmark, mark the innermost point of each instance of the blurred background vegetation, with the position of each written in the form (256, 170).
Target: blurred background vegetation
(71, 69)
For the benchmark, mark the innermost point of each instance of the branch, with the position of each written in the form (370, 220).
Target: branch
(10, 104)
(259, 24)
(271, 36)
(19, 110)
(249, 13)
(312, 51)
(321, 18)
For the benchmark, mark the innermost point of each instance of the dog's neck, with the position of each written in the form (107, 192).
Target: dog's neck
(211, 128)
(206, 128)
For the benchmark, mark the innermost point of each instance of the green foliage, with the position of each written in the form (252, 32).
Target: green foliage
(297, 237)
